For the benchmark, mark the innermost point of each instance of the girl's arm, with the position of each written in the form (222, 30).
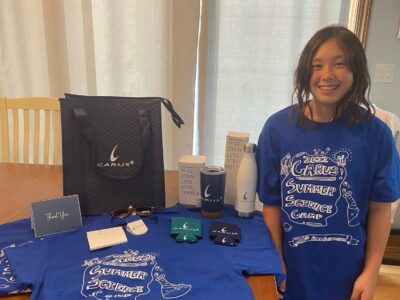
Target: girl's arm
(272, 218)
(378, 229)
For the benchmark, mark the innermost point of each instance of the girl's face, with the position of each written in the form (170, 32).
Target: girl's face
(331, 78)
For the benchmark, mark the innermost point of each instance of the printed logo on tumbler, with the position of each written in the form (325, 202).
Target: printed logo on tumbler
(207, 196)
(206, 193)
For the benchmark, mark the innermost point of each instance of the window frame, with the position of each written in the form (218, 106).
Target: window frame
(359, 13)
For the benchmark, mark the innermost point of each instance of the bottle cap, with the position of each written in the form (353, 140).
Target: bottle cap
(250, 148)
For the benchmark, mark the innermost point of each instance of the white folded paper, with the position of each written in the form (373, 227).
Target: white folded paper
(106, 237)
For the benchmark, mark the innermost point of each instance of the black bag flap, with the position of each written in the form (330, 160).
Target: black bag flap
(118, 134)
(118, 158)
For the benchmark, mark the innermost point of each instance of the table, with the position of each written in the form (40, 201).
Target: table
(22, 183)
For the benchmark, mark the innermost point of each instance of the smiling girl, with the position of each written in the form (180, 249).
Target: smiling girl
(330, 253)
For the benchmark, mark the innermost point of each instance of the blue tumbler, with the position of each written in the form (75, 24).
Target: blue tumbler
(212, 184)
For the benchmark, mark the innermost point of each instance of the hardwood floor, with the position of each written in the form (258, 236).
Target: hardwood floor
(392, 253)
(388, 286)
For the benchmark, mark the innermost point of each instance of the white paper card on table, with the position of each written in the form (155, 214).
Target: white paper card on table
(106, 237)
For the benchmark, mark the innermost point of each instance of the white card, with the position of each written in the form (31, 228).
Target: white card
(56, 215)
(106, 237)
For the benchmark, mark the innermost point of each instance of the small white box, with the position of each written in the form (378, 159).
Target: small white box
(106, 237)
(235, 142)
(189, 167)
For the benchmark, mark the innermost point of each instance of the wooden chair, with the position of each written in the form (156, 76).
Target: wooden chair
(4, 130)
(43, 132)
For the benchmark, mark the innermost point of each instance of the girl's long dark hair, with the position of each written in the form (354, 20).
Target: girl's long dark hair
(349, 106)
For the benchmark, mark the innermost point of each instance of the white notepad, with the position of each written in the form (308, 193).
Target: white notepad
(106, 237)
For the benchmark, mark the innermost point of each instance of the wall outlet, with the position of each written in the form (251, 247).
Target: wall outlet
(384, 73)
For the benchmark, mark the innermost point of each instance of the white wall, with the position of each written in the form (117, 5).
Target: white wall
(383, 47)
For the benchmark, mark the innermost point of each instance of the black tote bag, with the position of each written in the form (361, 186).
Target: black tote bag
(112, 151)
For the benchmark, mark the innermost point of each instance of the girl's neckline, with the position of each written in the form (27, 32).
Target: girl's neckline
(332, 120)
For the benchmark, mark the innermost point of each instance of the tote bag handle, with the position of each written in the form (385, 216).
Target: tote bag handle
(175, 117)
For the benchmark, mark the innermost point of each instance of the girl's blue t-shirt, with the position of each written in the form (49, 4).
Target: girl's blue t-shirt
(323, 177)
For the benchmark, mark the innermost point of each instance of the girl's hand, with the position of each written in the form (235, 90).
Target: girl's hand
(282, 287)
(364, 287)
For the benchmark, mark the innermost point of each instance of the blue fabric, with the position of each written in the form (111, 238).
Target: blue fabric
(13, 234)
(150, 266)
(323, 178)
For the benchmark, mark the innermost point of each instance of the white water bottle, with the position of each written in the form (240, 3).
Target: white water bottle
(246, 183)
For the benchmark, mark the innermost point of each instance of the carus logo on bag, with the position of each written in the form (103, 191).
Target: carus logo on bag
(113, 161)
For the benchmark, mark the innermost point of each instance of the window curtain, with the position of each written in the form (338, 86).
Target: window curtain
(252, 48)
(119, 47)
(226, 64)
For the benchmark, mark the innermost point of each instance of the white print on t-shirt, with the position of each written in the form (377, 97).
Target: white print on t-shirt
(7, 278)
(348, 239)
(128, 275)
(287, 227)
(312, 186)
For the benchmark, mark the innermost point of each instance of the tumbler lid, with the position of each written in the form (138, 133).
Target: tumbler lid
(250, 148)
(212, 170)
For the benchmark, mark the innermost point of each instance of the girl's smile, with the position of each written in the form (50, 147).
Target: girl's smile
(330, 80)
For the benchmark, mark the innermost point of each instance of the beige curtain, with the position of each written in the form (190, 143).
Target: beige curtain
(226, 64)
(102, 47)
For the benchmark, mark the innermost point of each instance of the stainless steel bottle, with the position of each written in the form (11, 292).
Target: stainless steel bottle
(246, 183)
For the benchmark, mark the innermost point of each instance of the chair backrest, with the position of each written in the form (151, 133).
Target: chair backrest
(43, 133)
(4, 130)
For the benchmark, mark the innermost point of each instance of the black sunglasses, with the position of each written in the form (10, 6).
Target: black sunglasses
(141, 211)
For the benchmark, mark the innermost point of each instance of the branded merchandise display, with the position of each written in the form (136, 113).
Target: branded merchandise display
(136, 226)
(149, 266)
(212, 188)
(321, 184)
(189, 167)
(246, 182)
(112, 151)
(103, 238)
(233, 154)
(225, 233)
(186, 229)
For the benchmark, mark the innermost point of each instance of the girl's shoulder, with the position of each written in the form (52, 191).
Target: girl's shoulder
(284, 115)
(375, 131)
(377, 126)
(281, 122)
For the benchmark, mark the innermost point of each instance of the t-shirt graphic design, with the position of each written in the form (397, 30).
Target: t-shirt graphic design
(128, 275)
(8, 282)
(311, 188)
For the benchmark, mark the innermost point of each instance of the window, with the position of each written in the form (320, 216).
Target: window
(252, 52)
